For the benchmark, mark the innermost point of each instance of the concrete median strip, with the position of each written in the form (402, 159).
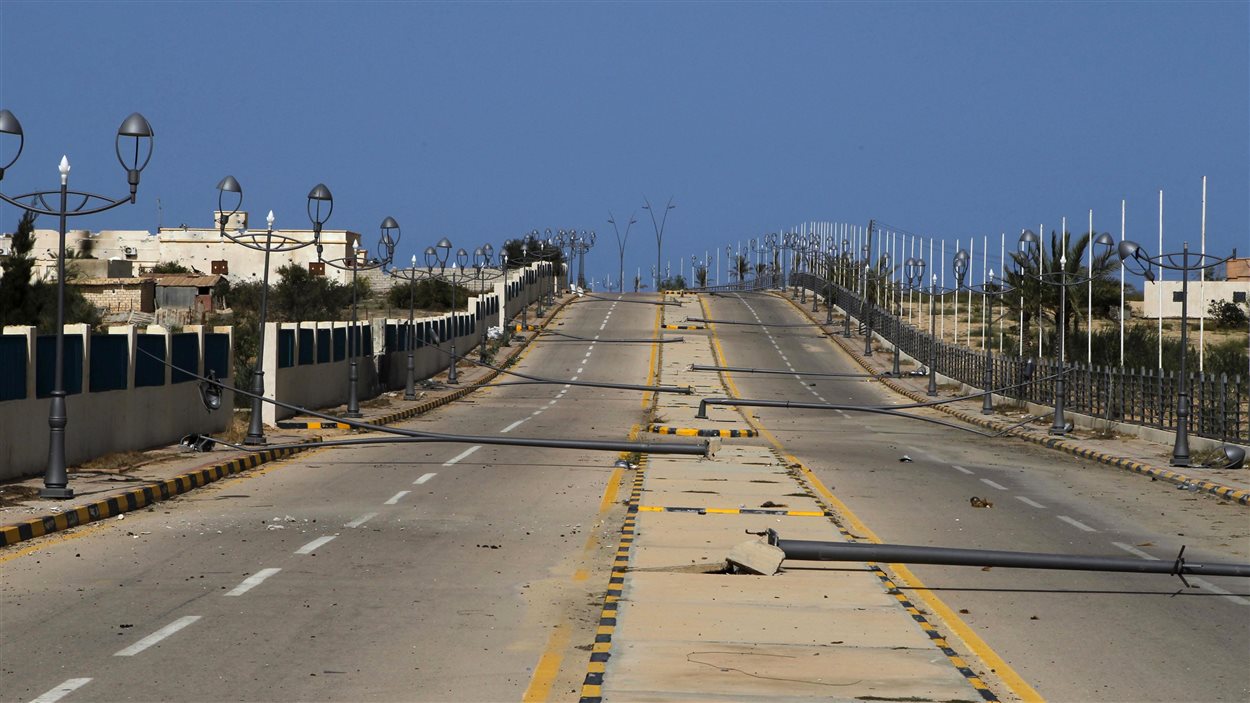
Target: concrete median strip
(677, 625)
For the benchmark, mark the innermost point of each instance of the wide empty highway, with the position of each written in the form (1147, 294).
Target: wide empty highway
(466, 572)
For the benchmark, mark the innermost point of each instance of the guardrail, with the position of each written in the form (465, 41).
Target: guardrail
(1147, 397)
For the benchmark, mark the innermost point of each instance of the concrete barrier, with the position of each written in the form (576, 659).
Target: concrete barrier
(145, 405)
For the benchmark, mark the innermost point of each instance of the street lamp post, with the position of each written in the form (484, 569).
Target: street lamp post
(914, 273)
(503, 271)
(55, 478)
(659, 236)
(581, 245)
(960, 266)
(1030, 245)
(1186, 262)
(620, 244)
(847, 264)
(439, 254)
(411, 275)
(386, 243)
(481, 260)
(268, 243)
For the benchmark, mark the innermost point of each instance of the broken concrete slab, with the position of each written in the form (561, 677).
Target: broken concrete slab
(755, 557)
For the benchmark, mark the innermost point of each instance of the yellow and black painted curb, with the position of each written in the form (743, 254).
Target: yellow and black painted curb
(601, 650)
(135, 499)
(696, 432)
(284, 425)
(940, 641)
(795, 470)
(733, 511)
(684, 327)
(1240, 496)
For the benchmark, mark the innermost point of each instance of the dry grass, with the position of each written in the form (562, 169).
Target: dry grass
(237, 430)
(119, 462)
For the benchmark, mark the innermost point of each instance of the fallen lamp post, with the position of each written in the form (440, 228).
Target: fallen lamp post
(813, 550)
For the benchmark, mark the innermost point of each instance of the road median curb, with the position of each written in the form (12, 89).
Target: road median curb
(136, 498)
(698, 432)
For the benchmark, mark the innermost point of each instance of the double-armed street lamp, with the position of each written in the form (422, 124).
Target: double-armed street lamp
(267, 242)
(658, 225)
(1134, 258)
(620, 245)
(1030, 248)
(353, 262)
(134, 157)
(439, 254)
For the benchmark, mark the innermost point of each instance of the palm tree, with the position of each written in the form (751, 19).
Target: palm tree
(1042, 296)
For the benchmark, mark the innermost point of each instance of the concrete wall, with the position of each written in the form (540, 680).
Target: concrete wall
(104, 422)
(325, 385)
(316, 385)
(1200, 296)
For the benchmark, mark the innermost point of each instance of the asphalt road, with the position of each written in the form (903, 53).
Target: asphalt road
(459, 572)
(1073, 636)
(385, 573)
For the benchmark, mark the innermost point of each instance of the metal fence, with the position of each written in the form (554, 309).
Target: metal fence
(1219, 404)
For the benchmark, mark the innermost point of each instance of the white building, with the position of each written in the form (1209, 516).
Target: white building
(202, 249)
(1166, 296)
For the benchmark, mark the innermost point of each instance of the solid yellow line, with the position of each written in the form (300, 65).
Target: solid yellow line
(973, 641)
(609, 493)
(548, 666)
(646, 397)
(609, 498)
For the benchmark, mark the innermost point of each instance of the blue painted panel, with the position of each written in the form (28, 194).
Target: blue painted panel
(185, 350)
(12, 367)
(45, 364)
(150, 371)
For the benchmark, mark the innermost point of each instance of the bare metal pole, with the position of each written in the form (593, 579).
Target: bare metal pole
(811, 550)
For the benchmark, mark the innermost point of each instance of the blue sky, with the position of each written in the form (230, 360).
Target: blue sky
(482, 121)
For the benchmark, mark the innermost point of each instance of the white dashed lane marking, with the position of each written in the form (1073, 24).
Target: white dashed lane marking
(393, 500)
(157, 636)
(1076, 523)
(363, 518)
(513, 426)
(993, 484)
(423, 479)
(1029, 501)
(64, 689)
(1135, 551)
(959, 468)
(313, 545)
(252, 581)
(462, 455)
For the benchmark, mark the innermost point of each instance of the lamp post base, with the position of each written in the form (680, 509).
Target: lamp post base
(353, 415)
(56, 493)
(410, 396)
(253, 440)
